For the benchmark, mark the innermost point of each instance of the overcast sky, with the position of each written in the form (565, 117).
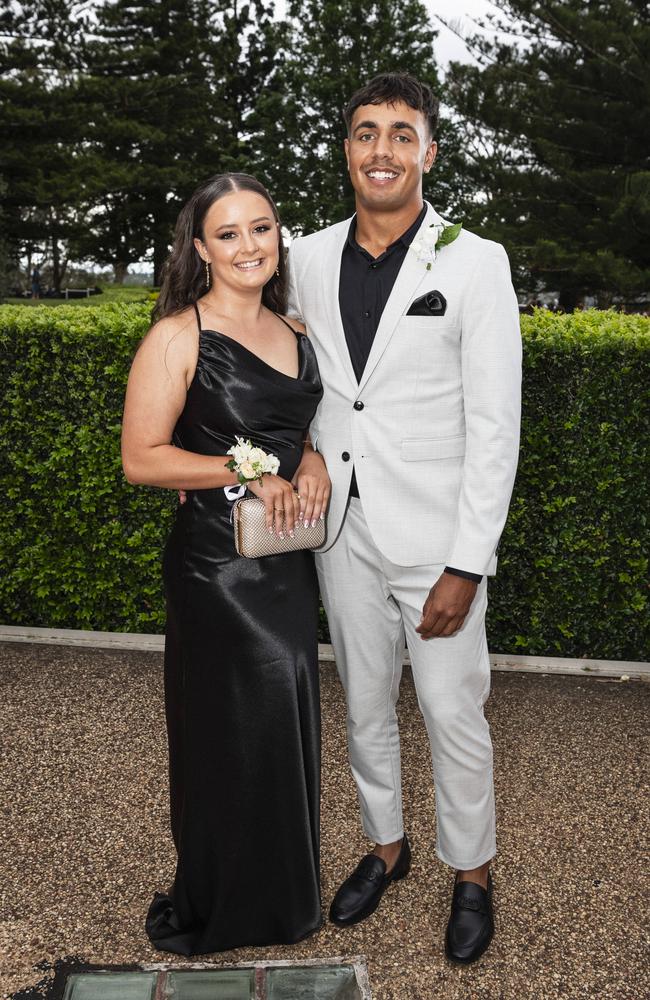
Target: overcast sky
(460, 13)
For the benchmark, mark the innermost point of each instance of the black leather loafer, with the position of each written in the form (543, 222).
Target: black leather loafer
(361, 893)
(471, 924)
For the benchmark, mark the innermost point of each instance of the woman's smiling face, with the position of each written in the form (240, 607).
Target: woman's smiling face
(240, 241)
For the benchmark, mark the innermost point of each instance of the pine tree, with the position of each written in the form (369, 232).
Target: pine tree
(566, 165)
(150, 127)
(41, 130)
(174, 83)
(329, 49)
(109, 124)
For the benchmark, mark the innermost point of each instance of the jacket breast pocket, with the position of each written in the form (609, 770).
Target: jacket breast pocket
(434, 325)
(430, 449)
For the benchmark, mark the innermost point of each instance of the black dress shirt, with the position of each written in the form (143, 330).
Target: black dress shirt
(364, 288)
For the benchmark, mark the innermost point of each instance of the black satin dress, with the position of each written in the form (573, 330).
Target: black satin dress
(241, 681)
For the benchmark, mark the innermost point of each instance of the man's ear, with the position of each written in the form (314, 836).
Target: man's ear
(430, 156)
(346, 147)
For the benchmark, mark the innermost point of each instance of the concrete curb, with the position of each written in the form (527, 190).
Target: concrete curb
(141, 642)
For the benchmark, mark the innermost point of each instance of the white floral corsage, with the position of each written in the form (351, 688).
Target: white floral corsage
(437, 235)
(250, 463)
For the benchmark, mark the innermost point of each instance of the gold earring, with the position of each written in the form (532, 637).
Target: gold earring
(207, 274)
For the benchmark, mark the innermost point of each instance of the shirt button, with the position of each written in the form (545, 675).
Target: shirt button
(358, 405)
(373, 266)
(346, 456)
(367, 314)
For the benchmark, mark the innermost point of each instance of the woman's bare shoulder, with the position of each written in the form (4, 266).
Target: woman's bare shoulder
(295, 323)
(177, 332)
(171, 341)
(168, 328)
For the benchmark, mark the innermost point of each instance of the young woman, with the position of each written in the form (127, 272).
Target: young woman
(241, 669)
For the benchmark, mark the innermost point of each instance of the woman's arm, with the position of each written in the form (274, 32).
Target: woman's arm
(155, 396)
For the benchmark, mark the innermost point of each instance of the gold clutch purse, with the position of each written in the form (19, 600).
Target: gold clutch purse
(253, 539)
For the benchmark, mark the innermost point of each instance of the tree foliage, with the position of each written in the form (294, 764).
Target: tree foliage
(332, 48)
(145, 84)
(558, 109)
(326, 50)
(109, 124)
(42, 127)
(111, 111)
(104, 137)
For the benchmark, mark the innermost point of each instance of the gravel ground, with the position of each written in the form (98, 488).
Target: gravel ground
(85, 838)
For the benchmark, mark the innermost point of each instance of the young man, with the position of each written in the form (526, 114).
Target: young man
(420, 357)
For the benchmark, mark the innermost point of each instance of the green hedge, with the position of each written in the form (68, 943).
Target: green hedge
(573, 567)
(81, 548)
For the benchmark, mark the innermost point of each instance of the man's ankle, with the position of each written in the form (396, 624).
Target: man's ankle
(477, 875)
(389, 853)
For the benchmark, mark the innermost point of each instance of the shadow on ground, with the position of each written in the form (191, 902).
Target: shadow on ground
(85, 838)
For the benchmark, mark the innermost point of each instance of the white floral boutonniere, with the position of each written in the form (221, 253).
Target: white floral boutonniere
(437, 235)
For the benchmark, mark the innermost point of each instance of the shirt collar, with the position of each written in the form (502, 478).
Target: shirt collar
(406, 238)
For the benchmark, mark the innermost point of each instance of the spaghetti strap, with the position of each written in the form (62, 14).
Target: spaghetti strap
(296, 333)
(198, 316)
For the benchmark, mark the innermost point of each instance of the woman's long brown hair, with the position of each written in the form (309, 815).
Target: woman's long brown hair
(183, 281)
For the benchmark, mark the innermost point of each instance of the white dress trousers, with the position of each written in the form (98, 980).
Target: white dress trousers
(373, 606)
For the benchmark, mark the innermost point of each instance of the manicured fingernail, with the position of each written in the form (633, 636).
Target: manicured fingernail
(322, 517)
(291, 534)
(281, 534)
(270, 529)
(313, 523)
(301, 515)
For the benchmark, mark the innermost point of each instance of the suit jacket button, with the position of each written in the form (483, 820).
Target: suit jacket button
(358, 405)
(346, 456)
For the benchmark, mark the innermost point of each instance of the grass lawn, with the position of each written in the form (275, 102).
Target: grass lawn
(110, 293)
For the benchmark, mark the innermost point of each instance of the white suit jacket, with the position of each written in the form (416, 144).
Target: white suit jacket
(435, 443)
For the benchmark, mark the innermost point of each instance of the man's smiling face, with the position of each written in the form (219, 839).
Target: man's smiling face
(388, 150)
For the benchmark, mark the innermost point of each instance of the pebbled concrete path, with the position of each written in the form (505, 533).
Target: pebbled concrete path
(84, 838)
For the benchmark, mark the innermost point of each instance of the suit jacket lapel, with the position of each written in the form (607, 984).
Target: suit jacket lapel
(331, 276)
(411, 274)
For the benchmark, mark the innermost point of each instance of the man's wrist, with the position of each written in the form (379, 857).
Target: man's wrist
(465, 574)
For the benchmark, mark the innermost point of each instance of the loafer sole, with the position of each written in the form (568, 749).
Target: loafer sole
(369, 910)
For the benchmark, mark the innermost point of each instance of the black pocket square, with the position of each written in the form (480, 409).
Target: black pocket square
(430, 304)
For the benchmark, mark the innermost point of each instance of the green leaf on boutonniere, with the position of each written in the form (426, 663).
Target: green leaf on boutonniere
(449, 234)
